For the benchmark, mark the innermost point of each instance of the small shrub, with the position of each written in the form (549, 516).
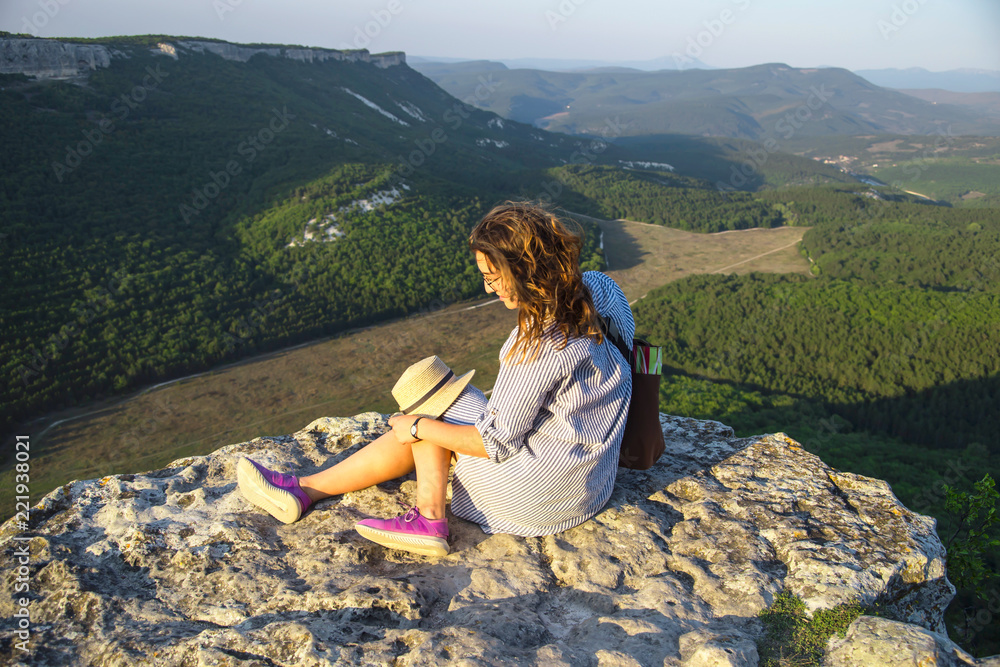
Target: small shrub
(791, 639)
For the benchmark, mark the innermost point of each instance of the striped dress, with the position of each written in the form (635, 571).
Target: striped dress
(552, 429)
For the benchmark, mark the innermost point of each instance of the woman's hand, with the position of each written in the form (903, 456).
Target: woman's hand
(459, 438)
(401, 425)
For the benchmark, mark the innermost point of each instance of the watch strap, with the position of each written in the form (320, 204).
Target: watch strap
(413, 427)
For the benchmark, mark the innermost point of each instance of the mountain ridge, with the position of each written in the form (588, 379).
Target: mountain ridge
(962, 80)
(65, 58)
(766, 100)
(572, 65)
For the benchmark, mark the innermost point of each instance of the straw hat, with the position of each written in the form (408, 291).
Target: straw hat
(428, 387)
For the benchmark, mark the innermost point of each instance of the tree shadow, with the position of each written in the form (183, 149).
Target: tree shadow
(711, 159)
(619, 247)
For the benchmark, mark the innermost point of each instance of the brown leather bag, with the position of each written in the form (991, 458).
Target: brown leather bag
(642, 443)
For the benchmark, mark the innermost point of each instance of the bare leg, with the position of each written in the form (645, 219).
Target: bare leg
(378, 461)
(384, 459)
(432, 463)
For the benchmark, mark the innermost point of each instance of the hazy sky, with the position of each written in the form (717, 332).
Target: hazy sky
(856, 34)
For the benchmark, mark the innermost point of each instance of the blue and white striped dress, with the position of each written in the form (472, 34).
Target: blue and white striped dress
(552, 429)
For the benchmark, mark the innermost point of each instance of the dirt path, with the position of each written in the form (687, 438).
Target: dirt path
(763, 254)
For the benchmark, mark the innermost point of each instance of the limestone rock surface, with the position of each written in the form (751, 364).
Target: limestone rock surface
(174, 567)
(880, 642)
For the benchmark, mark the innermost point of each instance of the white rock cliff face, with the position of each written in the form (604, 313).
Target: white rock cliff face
(244, 53)
(174, 567)
(51, 59)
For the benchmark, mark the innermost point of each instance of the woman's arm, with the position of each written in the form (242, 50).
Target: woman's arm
(459, 438)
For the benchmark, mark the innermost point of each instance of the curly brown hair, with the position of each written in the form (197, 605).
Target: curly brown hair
(538, 259)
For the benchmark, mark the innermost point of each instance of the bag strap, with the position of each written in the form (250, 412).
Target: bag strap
(610, 332)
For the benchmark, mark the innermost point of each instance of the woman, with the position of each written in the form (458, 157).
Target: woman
(541, 455)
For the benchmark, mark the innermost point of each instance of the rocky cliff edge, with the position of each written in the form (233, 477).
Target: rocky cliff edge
(53, 59)
(174, 567)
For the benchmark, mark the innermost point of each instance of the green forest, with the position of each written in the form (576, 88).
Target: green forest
(887, 363)
(663, 199)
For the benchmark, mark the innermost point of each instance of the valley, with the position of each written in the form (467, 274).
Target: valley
(958, 170)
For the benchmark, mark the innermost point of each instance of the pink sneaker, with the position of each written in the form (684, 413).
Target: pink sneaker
(274, 492)
(410, 532)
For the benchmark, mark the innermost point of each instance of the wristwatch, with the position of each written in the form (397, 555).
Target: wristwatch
(413, 428)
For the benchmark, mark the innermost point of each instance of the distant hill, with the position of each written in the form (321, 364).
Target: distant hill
(435, 69)
(576, 65)
(987, 104)
(652, 65)
(956, 80)
(732, 163)
(766, 101)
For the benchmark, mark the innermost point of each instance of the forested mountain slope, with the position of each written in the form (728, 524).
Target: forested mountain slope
(177, 208)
